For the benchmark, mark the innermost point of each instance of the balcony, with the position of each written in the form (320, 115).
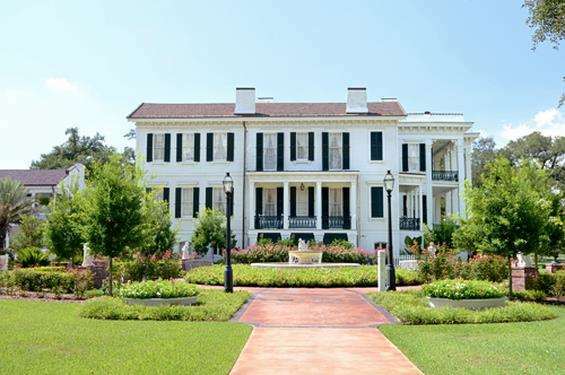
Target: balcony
(268, 222)
(336, 222)
(302, 222)
(445, 176)
(409, 223)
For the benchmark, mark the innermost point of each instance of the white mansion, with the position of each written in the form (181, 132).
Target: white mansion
(312, 170)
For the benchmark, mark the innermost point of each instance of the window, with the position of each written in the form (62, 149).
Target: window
(413, 157)
(377, 202)
(335, 150)
(220, 146)
(219, 199)
(158, 147)
(335, 204)
(301, 146)
(188, 147)
(270, 152)
(186, 202)
(302, 202)
(270, 202)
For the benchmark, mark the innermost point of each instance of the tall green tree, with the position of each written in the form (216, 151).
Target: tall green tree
(210, 231)
(484, 152)
(114, 210)
(14, 203)
(157, 231)
(30, 233)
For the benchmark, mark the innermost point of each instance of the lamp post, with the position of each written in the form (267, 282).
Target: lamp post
(389, 186)
(228, 273)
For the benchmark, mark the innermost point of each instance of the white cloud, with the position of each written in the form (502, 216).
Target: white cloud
(550, 122)
(61, 84)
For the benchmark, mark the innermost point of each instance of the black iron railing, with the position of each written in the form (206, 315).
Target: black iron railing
(302, 222)
(410, 223)
(445, 175)
(336, 222)
(268, 222)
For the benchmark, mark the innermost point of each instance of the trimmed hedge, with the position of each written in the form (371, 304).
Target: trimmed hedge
(245, 275)
(448, 266)
(213, 305)
(158, 289)
(462, 289)
(41, 279)
(137, 270)
(412, 308)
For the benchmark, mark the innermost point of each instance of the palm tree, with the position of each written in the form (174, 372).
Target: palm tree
(14, 203)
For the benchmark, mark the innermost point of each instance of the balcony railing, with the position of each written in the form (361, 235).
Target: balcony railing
(268, 222)
(409, 223)
(336, 222)
(445, 176)
(302, 222)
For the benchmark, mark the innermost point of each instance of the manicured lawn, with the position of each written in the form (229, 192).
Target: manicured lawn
(39, 337)
(503, 348)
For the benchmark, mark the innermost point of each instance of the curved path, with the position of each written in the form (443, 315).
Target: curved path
(317, 331)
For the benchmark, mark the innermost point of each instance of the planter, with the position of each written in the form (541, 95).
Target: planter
(471, 304)
(304, 257)
(181, 301)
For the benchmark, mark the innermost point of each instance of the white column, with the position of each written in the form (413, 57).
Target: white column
(461, 168)
(448, 202)
(318, 205)
(286, 204)
(353, 203)
(421, 210)
(429, 183)
(468, 167)
(251, 206)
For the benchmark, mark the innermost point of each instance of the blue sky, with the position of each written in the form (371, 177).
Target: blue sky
(89, 64)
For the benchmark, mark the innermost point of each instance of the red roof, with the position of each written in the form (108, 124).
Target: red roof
(35, 177)
(215, 110)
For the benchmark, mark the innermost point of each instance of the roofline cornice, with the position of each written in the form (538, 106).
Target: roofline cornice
(277, 120)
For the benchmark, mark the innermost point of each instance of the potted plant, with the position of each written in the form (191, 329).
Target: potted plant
(469, 294)
(159, 293)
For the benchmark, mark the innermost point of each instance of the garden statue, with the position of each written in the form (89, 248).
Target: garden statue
(87, 259)
(4, 262)
(186, 250)
(523, 260)
(302, 245)
(432, 249)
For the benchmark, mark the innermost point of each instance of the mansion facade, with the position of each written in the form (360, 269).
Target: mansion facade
(310, 170)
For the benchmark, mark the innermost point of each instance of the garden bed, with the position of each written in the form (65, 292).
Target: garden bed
(245, 275)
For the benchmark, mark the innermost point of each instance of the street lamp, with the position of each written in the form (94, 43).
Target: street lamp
(228, 273)
(389, 185)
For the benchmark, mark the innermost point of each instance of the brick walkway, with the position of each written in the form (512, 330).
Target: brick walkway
(317, 331)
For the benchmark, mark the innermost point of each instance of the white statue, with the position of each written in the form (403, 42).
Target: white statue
(523, 260)
(87, 259)
(302, 245)
(186, 250)
(432, 249)
(4, 259)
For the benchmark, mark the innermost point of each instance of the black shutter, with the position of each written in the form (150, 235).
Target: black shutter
(209, 146)
(311, 146)
(425, 209)
(346, 209)
(376, 146)
(280, 151)
(345, 150)
(292, 146)
(149, 150)
(377, 209)
(405, 205)
(293, 201)
(404, 157)
(195, 201)
(166, 195)
(422, 157)
(311, 201)
(229, 156)
(178, 194)
(167, 157)
(196, 146)
(325, 152)
(258, 201)
(280, 201)
(325, 208)
(179, 147)
(259, 152)
(208, 197)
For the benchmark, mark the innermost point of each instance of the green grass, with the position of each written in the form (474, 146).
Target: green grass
(504, 348)
(245, 275)
(39, 337)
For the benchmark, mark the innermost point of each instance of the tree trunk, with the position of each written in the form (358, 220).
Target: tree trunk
(111, 282)
(510, 276)
(536, 260)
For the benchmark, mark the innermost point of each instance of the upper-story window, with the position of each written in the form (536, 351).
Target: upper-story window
(158, 147)
(301, 146)
(270, 151)
(413, 157)
(335, 151)
(187, 202)
(335, 202)
(220, 146)
(188, 147)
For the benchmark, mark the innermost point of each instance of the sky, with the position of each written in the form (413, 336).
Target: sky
(90, 64)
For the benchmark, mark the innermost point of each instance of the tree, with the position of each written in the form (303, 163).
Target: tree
(509, 213)
(484, 152)
(114, 210)
(64, 227)
(157, 232)
(29, 234)
(210, 231)
(14, 203)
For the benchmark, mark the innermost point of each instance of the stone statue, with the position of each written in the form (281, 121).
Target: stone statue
(186, 250)
(302, 245)
(432, 249)
(87, 259)
(4, 262)
(523, 260)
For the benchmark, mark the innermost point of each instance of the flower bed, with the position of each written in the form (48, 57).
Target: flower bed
(462, 289)
(245, 275)
(159, 293)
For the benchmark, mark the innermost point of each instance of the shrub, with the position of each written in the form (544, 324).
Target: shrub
(267, 252)
(442, 233)
(341, 243)
(559, 288)
(32, 280)
(158, 289)
(137, 270)
(32, 256)
(462, 289)
(544, 282)
(529, 295)
(447, 266)
(245, 275)
(412, 308)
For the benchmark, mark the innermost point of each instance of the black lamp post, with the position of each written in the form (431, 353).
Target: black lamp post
(389, 186)
(228, 273)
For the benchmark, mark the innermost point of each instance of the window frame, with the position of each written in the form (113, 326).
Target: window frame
(306, 147)
(185, 147)
(217, 137)
(339, 137)
(154, 148)
(266, 136)
(221, 201)
(184, 204)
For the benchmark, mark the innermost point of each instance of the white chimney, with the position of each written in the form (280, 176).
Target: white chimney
(356, 100)
(244, 101)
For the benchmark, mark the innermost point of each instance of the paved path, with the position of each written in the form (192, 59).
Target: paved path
(317, 331)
